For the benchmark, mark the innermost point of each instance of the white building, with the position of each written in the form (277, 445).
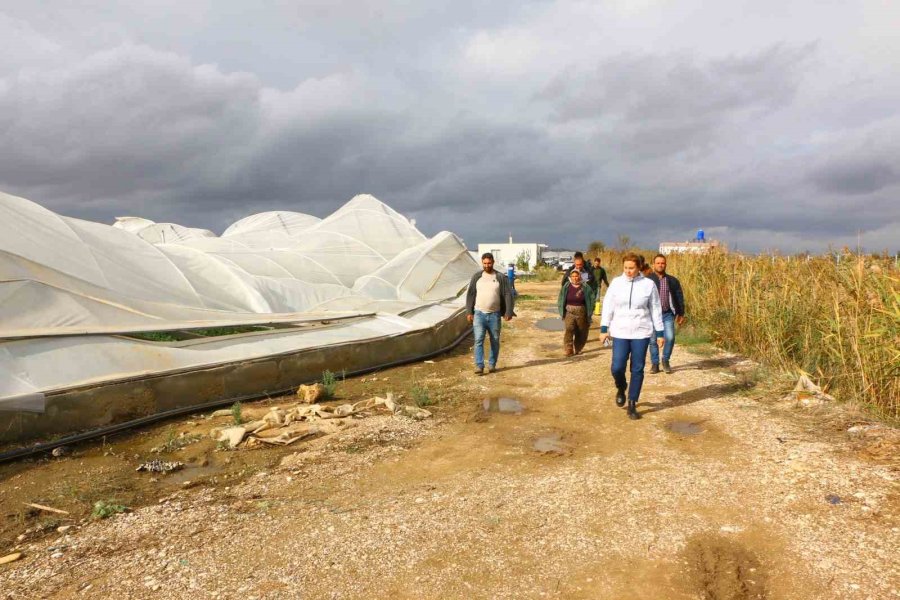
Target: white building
(693, 247)
(506, 253)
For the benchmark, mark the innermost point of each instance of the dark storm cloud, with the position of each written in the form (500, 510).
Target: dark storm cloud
(855, 177)
(478, 119)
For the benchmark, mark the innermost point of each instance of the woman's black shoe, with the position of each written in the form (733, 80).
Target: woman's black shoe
(620, 398)
(632, 410)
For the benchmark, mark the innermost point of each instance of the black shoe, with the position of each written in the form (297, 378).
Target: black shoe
(620, 398)
(666, 367)
(654, 368)
(632, 410)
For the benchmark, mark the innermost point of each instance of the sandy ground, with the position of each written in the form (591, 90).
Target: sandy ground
(716, 494)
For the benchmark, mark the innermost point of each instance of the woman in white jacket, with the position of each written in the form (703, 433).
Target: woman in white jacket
(631, 316)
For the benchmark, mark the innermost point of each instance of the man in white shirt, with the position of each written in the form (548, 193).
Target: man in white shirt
(489, 298)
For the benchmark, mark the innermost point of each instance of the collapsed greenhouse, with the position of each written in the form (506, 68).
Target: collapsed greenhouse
(105, 324)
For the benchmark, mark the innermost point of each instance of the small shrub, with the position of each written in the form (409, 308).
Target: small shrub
(329, 382)
(420, 396)
(102, 509)
(236, 413)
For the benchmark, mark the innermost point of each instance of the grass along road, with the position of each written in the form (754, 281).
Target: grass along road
(714, 494)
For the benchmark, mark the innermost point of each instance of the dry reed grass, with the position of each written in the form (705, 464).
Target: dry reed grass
(838, 322)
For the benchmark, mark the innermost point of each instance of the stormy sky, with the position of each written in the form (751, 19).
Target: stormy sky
(770, 124)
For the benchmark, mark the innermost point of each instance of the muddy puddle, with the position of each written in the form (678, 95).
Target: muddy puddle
(551, 444)
(722, 569)
(503, 405)
(550, 324)
(685, 427)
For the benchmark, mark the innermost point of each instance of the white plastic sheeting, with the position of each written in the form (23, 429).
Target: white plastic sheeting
(61, 276)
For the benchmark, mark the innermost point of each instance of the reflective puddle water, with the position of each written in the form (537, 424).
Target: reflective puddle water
(550, 444)
(503, 405)
(684, 427)
(550, 324)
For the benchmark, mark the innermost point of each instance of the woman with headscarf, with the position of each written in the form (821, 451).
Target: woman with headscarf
(631, 316)
(575, 305)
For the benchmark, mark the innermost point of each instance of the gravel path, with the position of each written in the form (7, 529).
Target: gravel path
(713, 494)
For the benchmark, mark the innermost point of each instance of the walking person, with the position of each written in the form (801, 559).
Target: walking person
(599, 274)
(671, 300)
(578, 265)
(489, 298)
(632, 316)
(576, 305)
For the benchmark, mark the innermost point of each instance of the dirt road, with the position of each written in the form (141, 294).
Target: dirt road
(528, 483)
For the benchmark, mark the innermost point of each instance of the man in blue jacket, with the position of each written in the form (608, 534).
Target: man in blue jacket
(671, 297)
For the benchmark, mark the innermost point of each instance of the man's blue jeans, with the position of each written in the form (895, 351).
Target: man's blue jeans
(486, 323)
(637, 349)
(669, 329)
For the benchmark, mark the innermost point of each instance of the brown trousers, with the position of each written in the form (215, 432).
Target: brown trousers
(576, 334)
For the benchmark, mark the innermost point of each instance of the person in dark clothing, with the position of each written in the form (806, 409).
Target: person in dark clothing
(671, 298)
(599, 274)
(489, 297)
(575, 305)
(587, 276)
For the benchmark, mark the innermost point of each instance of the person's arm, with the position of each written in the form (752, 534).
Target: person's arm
(656, 316)
(679, 303)
(606, 315)
(506, 290)
(470, 300)
(605, 280)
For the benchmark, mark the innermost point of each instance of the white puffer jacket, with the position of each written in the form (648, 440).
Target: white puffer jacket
(631, 309)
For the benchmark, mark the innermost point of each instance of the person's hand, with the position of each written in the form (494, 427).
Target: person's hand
(603, 338)
(680, 319)
(660, 342)
(470, 318)
(507, 318)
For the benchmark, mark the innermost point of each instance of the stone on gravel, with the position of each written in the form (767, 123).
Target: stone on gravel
(232, 435)
(310, 394)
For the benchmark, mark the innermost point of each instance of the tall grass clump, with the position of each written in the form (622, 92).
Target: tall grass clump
(836, 318)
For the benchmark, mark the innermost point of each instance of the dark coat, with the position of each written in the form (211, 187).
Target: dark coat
(676, 295)
(506, 297)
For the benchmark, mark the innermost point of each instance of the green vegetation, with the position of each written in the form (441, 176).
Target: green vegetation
(523, 259)
(421, 396)
(236, 415)
(542, 273)
(329, 382)
(176, 442)
(103, 509)
(523, 297)
(174, 336)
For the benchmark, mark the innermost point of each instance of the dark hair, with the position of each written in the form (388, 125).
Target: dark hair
(487, 255)
(632, 257)
(597, 259)
(663, 256)
(641, 262)
(578, 255)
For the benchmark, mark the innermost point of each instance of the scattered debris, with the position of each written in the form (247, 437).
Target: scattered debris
(60, 451)
(833, 499)
(225, 412)
(429, 362)
(808, 394)
(160, 466)
(310, 394)
(284, 426)
(46, 508)
(232, 435)
(11, 558)
(177, 443)
(63, 528)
